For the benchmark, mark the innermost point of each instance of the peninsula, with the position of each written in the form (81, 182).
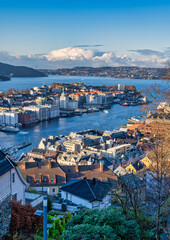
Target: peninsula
(114, 72)
(19, 71)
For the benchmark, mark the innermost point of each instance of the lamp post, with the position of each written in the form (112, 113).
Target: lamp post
(45, 217)
(44, 214)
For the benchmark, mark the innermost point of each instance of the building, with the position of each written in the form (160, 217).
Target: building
(63, 100)
(43, 175)
(8, 117)
(121, 87)
(73, 145)
(96, 170)
(89, 193)
(27, 117)
(42, 112)
(66, 102)
(37, 153)
(146, 161)
(120, 171)
(135, 167)
(115, 152)
(132, 187)
(12, 187)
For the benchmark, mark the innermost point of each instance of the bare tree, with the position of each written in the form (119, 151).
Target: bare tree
(159, 174)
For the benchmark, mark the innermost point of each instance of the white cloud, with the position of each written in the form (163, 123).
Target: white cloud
(69, 53)
(76, 56)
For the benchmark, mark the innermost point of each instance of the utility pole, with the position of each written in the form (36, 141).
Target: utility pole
(45, 217)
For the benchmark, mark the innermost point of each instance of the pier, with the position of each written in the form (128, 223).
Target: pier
(15, 148)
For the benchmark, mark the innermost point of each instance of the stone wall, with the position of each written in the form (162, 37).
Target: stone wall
(5, 216)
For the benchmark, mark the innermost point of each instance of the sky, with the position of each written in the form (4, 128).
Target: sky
(68, 33)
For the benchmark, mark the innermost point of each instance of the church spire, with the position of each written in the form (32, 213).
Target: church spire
(63, 92)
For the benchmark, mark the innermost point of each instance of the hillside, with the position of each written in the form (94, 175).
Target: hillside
(114, 72)
(19, 71)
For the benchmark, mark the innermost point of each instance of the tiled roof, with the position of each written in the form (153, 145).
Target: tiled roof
(90, 172)
(34, 171)
(5, 164)
(90, 190)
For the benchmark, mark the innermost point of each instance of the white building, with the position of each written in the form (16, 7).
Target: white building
(121, 87)
(9, 117)
(114, 152)
(96, 99)
(95, 194)
(64, 100)
(66, 103)
(11, 180)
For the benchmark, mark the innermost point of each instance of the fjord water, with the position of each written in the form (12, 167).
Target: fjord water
(115, 118)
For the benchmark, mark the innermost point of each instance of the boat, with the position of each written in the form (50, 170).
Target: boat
(77, 112)
(125, 104)
(105, 111)
(10, 129)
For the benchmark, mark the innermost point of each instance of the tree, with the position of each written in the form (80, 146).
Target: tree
(108, 223)
(88, 232)
(49, 205)
(159, 154)
(159, 175)
(23, 219)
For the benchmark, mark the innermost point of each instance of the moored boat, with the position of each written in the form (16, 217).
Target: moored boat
(10, 129)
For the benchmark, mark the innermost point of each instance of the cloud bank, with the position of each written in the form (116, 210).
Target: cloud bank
(79, 56)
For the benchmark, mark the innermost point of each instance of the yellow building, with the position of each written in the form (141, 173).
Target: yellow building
(146, 161)
(130, 168)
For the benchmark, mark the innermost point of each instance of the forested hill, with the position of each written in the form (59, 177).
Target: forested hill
(19, 71)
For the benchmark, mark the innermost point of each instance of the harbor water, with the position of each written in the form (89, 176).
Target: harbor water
(101, 120)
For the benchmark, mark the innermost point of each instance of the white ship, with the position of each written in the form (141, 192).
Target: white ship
(105, 111)
(10, 129)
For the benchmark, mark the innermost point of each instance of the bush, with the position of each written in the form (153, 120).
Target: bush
(100, 223)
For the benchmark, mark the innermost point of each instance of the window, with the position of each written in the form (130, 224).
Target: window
(53, 190)
(13, 177)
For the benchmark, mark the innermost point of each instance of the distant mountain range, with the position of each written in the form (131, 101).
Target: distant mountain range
(114, 72)
(19, 71)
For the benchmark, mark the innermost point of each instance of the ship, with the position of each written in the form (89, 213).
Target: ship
(10, 129)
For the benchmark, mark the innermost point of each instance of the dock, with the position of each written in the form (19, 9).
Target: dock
(15, 148)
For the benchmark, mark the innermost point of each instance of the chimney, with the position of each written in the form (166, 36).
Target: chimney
(101, 166)
(49, 164)
(77, 167)
(24, 165)
(94, 181)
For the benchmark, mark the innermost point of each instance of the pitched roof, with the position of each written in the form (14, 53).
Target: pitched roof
(90, 172)
(33, 170)
(131, 181)
(90, 190)
(5, 163)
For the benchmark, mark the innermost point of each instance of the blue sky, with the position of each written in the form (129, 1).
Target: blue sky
(134, 29)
